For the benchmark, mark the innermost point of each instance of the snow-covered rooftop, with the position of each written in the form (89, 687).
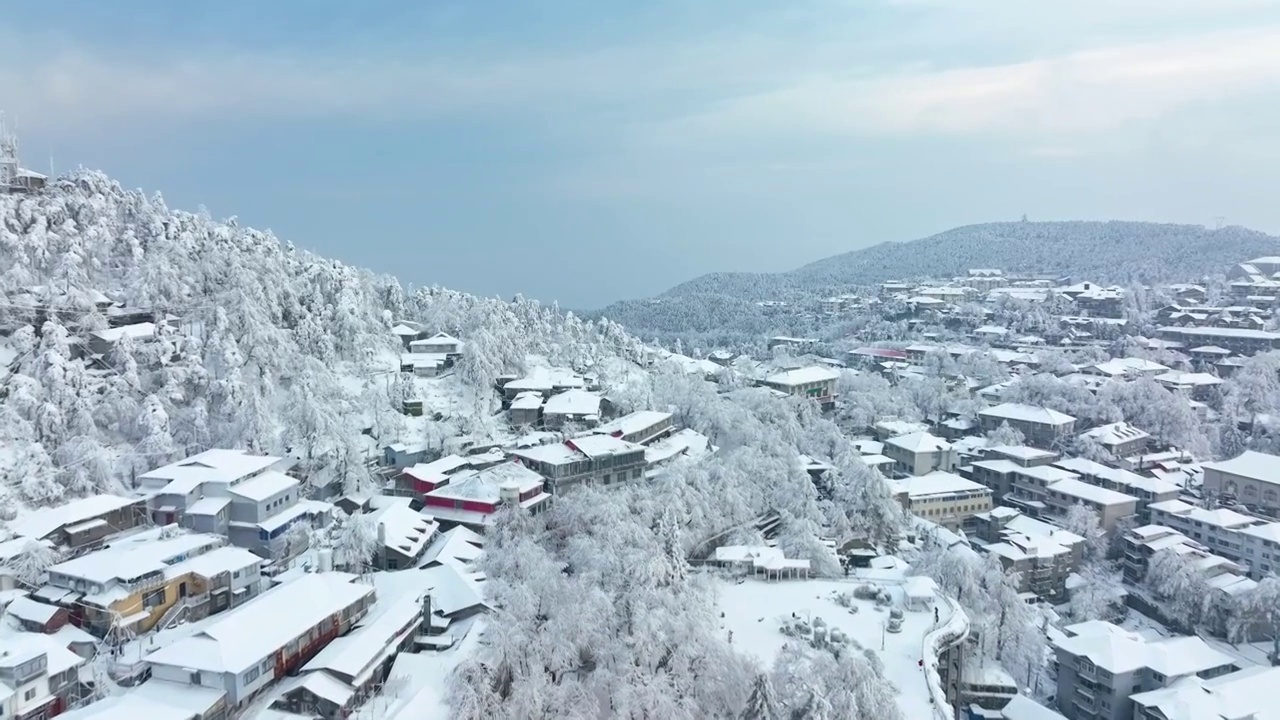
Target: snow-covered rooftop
(265, 486)
(573, 402)
(921, 442)
(941, 483)
(1081, 490)
(1027, 413)
(1124, 366)
(215, 465)
(1250, 464)
(33, 611)
(486, 485)
(253, 632)
(1021, 452)
(1116, 433)
(451, 589)
(635, 422)
(594, 446)
(687, 442)
(222, 560)
(140, 555)
(458, 545)
(1246, 694)
(527, 400)
(803, 376)
(404, 529)
(357, 654)
(1219, 517)
(40, 523)
(136, 331)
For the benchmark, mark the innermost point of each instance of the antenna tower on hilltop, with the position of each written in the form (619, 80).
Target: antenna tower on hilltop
(8, 158)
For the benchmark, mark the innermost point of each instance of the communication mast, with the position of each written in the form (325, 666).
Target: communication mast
(8, 159)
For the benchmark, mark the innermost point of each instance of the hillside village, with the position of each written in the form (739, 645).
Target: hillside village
(1027, 498)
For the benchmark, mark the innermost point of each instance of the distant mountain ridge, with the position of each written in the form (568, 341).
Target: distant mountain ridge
(1105, 252)
(1108, 252)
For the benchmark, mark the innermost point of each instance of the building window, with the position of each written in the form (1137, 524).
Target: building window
(153, 599)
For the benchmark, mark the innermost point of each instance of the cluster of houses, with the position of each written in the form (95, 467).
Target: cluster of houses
(203, 554)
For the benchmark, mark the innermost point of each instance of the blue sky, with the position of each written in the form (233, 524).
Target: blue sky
(592, 151)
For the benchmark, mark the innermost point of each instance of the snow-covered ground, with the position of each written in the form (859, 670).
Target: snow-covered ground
(755, 609)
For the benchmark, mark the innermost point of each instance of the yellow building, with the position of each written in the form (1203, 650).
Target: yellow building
(140, 581)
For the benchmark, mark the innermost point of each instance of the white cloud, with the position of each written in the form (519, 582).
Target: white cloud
(1082, 91)
(825, 74)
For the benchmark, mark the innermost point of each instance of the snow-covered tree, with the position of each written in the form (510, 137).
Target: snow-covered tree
(356, 541)
(32, 562)
(1083, 521)
(1006, 435)
(1258, 609)
(762, 704)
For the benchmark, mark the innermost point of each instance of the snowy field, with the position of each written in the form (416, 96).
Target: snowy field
(754, 611)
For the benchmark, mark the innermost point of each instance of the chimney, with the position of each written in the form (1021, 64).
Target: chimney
(324, 559)
(509, 492)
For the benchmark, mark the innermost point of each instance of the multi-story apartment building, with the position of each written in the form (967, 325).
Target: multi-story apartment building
(1141, 544)
(1146, 490)
(919, 454)
(1252, 478)
(1219, 529)
(1045, 491)
(253, 646)
(1040, 426)
(1044, 555)
(947, 499)
(1101, 666)
(594, 458)
(246, 497)
(137, 582)
(999, 464)
(1244, 341)
(1041, 564)
(1261, 549)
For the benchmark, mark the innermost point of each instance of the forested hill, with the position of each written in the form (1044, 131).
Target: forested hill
(1105, 252)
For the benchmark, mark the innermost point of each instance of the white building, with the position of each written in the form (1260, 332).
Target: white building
(1261, 549)
(1252, 478)
(38, 676)
(572, 406)
(947, 499)
(815, 382)
(1040, 426)
(1120, 438)
(1247, 694)
(920, 453)
(1218, 529)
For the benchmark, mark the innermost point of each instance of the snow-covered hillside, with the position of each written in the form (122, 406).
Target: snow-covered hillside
(258, 344)
(254, 344)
